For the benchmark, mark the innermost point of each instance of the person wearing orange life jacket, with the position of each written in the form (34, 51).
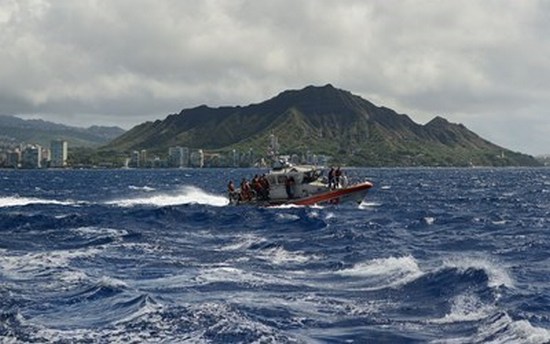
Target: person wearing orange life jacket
(246, 194)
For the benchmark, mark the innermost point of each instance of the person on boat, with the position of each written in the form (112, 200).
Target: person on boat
(233, 194)
(343, 180)
(246, 193)
(254, 182)
(289, 187)
(264, 183)
(331, 178)
(257, 187)
(337, 177)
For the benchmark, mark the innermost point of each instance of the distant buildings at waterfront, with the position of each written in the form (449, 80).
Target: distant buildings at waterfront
(31, 156)
(59, 153)
(34, 156)
(184, 157)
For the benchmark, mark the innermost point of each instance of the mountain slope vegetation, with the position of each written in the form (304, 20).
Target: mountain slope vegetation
(323, 120)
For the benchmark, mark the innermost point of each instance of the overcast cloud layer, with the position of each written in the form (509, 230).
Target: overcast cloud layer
(485, 64)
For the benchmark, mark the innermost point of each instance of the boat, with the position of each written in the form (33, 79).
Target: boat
(302, 185)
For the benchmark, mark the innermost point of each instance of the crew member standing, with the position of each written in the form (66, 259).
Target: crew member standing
(331, 178)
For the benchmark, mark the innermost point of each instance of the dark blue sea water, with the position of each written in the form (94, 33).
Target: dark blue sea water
(156, 256)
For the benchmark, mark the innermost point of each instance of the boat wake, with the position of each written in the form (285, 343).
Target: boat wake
(18, 201)
(185, 195)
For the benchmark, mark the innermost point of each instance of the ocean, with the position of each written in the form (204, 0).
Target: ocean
(157, 256)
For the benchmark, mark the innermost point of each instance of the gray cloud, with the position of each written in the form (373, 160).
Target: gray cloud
(483, 63)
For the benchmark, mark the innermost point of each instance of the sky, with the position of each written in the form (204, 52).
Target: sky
(485, 64)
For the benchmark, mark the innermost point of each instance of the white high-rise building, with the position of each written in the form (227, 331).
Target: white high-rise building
(134, 159)
(31, 157)
(178, 156)
(58, 151)
(197, 158)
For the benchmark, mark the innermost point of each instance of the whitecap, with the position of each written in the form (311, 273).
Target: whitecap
(330, 215)
(387, 272)
(101, 231)
(497, 275)
(231, 274)
(466, 307)
(143, 188)
(108, 281)
(31, 264)
(505, 330)
(279, 255)
(243, 242)
(287, 217)
(72, 277)
(313, 215)
(368, 205)
(429, 220)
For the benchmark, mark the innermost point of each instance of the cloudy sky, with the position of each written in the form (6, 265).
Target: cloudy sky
(485, 64)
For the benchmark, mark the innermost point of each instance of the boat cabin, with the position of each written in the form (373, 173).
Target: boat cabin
(299, 181)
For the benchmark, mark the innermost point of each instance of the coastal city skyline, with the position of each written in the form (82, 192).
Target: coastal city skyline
(56, 155)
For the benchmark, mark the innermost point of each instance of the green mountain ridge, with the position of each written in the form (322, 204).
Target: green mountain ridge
(323, 120)
(37, 131)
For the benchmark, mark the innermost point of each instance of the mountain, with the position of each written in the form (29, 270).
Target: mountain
(323, 120)
(17, 130)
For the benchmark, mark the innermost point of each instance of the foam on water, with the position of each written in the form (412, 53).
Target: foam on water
(17, 201)
(243, 242)
(108, 281)
(466, 307)
(330, 215)
(286, 206)
(278, 255)
(232, 274)
(429, 220)
(71, 277)
(96, 232)
(502, 329)
(287, 217)
(186, 195)
(142, 188)
(387, 272)
(369, 205)
(30, 264)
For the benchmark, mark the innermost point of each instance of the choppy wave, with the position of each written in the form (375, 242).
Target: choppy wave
(386, 272)
(500, 328)
(122, 256)
(497, 274)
